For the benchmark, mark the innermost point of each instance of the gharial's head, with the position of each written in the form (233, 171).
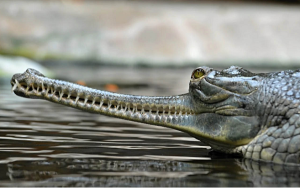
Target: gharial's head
(233, 86)
(225, 103)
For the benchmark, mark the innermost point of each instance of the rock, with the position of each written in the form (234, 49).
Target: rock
(11, 65)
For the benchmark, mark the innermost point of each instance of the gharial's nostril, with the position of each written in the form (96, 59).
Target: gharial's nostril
(34, 72)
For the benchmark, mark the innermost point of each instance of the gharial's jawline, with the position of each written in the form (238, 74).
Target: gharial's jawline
(49, 92)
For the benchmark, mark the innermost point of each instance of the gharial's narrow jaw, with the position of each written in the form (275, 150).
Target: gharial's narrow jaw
(212, 111)
(169, 111)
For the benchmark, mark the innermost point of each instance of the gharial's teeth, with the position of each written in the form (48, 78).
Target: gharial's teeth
(77, 98)
(180, 112)
(60, 96)
(43, 87)
(15, 85)
(18, 84)
(85, 100)
(13, 88)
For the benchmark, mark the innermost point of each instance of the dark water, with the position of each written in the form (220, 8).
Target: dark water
(45, 144)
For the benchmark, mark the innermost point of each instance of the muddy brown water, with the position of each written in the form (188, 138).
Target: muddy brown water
(45, 144)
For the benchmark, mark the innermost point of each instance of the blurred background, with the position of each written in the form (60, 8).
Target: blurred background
(61, 35)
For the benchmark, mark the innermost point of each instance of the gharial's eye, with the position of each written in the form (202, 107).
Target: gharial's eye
(198, 73)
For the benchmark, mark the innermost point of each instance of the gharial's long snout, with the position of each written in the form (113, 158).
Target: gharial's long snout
(169, 111)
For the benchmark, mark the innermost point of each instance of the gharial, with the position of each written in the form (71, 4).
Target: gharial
(233, 110)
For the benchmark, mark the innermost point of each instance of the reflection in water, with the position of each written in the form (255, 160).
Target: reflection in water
(98, 172)
(265, 174)
(44, 144)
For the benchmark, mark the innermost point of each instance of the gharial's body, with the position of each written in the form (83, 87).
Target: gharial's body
(233, 110)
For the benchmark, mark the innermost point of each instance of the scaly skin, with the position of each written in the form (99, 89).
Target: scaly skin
(233, 110)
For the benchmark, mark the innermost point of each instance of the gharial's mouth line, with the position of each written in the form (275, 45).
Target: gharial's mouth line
(49, 92)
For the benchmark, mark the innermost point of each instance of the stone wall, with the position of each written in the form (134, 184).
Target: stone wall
(153, 32)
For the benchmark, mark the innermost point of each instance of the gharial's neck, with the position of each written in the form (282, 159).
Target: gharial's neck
(169, 111)
(278, 101)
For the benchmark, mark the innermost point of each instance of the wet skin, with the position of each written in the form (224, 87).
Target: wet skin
(233, 110)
